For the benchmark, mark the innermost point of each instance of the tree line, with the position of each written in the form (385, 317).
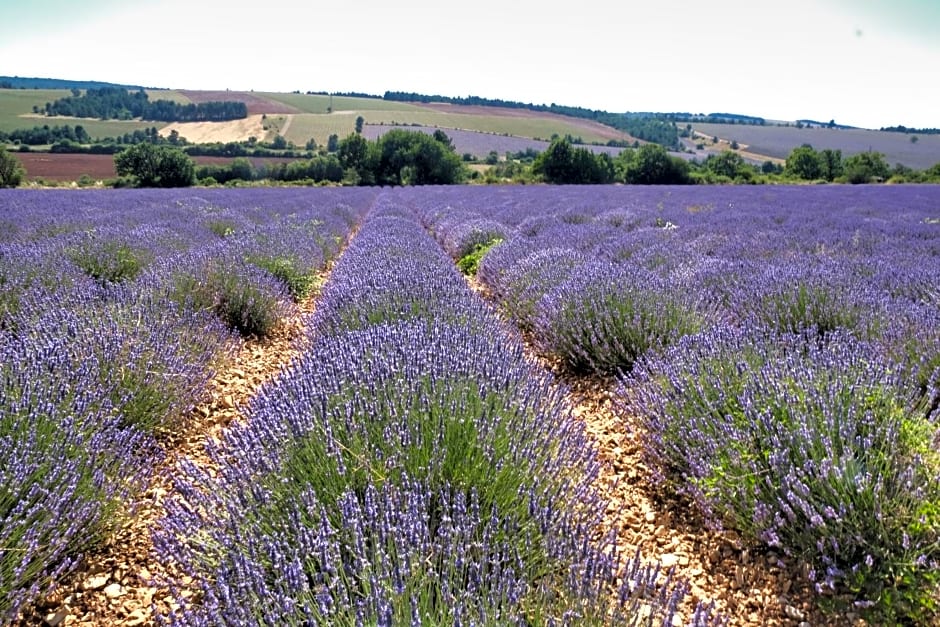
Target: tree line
(398, 157)
(41, 135)
(117, 103)
(403, 157)
(651, 164)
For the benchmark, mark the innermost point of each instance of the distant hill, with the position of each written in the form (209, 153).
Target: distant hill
(477, 125)
(21, 82)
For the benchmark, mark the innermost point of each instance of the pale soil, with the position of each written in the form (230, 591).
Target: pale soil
(224, 132)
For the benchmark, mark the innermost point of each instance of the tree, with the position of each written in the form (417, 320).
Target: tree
(11, 170)
(352, 152)
(332, 143)
(441, 136)
(241, 169)
(561, 163)
(727, 163)
(805, 163)
(866, 167)
(403, 157)
(359, 122)
(652, 165)
(832, 163)
(156, 166)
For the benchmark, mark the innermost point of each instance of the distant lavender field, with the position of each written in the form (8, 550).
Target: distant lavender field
(779, 141)
(480, 144)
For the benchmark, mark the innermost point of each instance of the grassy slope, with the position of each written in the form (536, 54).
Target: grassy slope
(317, 123)
(17, 104)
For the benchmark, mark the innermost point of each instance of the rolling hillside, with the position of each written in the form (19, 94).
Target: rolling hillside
(476, 129)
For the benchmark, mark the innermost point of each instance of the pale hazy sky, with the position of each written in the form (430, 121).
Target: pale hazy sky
(867, 63)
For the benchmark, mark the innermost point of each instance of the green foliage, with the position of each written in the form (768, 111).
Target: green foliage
(236, 299)
(470, 263)
(118, 103)
(652, 165)
(445, 447)
(805, 163)
(222, 228)
(561, 163)
(11, 170)
(866, 167)
(300, 282)
(156, 166)
(353, 151)
(332, 142)
(401, 157)
(110, 261)
(728, 164)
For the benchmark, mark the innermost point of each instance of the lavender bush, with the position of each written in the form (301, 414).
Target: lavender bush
(525, 283)
(604, 318)
(248, 299)
(821, 450)
(392, 271)
(67, 466)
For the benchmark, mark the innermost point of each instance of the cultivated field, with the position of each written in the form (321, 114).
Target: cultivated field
(66, 167)
(287, 406)
(479, 144)
(299, 117)
(779, 141)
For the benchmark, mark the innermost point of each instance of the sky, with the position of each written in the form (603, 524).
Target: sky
(867, 63)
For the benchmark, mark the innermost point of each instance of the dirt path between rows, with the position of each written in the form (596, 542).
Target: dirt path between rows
(747, 586)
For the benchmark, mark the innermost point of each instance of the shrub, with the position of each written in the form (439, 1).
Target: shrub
(66, 468)
(820, 450)
(407, 472)
(299, 282)
(470, 263)
(110, 261)
(248, 299)
(526, 282)
(605, 317)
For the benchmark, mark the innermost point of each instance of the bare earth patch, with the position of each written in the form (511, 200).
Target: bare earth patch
(224, 132)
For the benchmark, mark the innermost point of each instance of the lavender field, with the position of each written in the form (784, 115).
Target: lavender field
(779, 142)
(777, 350)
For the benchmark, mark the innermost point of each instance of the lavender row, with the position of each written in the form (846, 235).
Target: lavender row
(110, 326)
(785, 349)
(412, 467)
(792, 258)
(825, 451)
